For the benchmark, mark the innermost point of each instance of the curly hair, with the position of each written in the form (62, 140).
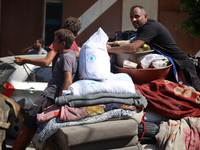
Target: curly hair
(73, 24)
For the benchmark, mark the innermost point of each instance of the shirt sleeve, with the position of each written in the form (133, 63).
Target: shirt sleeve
(69, 61)
(74, 47)
(51, 47)
(67, 65)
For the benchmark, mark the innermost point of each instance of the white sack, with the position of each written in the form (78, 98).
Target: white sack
(120, 83)
(94, 61)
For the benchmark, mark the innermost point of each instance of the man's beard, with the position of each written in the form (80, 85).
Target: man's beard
(35, 47)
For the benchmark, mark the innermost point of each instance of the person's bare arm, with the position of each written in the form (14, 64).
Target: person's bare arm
(67, 82)
(128, 48)
(38, 62)
(24, 51)
(77, 54)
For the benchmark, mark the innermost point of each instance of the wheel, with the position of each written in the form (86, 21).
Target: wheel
(15, 125)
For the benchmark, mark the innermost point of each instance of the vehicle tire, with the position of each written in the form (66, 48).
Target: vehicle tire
(15, 125)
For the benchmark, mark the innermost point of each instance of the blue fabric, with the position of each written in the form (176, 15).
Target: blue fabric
(173, 65)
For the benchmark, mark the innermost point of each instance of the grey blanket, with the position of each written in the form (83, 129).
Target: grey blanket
(102, 98)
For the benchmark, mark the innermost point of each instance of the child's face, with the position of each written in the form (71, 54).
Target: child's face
(57, 45)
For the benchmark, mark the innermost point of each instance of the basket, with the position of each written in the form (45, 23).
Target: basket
(140, 76)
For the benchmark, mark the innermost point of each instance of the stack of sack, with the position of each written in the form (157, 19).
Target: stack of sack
(116, 127)
(95, 70)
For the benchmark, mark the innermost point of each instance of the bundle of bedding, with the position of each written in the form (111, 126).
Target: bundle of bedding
(171, 99)
(103, 106)
(97, 98)
(179, 134)
(180, 104)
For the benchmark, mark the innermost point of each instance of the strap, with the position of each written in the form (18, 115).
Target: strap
(144, 128)
(173, 65)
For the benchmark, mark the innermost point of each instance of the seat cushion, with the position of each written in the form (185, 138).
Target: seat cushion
(87, 133)
(107, 144)
(99, 145)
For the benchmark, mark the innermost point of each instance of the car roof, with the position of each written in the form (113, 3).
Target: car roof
(7, 65)
(10, 59)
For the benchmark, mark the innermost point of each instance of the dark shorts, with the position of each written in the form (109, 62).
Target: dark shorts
(39, 105)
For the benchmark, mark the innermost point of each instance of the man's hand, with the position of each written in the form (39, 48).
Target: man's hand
(19, 60)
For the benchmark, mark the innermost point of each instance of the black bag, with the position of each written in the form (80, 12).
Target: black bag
(123, 35)
(151, 129)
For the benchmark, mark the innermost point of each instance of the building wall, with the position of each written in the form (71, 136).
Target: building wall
(170, 16)
(21, 24)
(22, 21)
(94, 14)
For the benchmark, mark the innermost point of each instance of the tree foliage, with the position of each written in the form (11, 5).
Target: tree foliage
(192, 23)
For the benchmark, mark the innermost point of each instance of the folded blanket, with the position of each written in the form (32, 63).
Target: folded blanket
(45, 130)
(66, 113)
(171, 99)
(50, 113)
(179, 134)
(102, 98)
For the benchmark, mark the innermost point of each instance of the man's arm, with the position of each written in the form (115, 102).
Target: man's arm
(24, 51)
(67, 82)
(128, 48)
(77, 54)
(38, 62)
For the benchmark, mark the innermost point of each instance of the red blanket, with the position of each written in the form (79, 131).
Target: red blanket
(171, 99)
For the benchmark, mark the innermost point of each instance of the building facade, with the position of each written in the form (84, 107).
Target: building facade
(23, 21)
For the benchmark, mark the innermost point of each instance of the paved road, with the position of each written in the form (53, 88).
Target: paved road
(10, 142)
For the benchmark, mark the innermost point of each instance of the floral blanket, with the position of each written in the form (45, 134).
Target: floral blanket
(181, 134)
(171, 99)
(45, 130)
(66, 113)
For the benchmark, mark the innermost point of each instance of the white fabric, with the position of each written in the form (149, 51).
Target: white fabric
(117, 83)
(94, 61)
(148, 59)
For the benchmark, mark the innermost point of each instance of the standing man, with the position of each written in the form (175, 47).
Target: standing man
(37, 48)
(157, 36)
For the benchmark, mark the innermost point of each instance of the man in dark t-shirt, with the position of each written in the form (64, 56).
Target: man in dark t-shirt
(157, 36)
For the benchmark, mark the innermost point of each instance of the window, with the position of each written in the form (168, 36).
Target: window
(40, 74)
(53, 21)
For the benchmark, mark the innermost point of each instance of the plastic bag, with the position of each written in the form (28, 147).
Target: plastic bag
(148, 60)
(94, 61)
